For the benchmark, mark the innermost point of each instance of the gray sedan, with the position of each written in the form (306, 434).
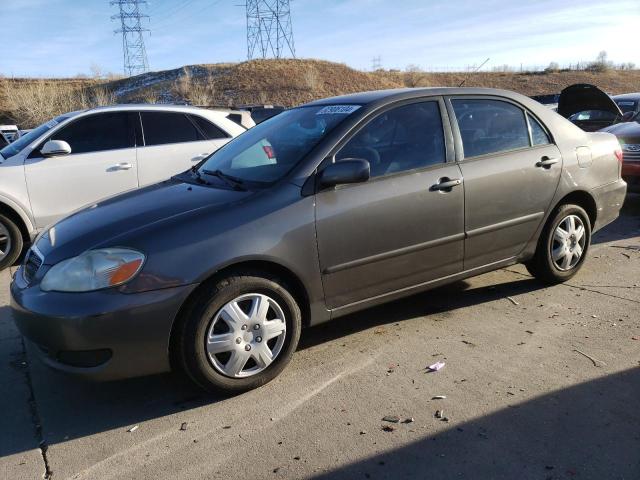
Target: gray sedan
(323, 210)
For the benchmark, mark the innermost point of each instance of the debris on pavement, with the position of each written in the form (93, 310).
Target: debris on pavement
(408, 420)
(594, 360)
(513, 300)
(439, 413)
(391, 418)
(133, 429)
(388, 428)
(438, 397)
(183, 427)
(467, 342)
(436, 366)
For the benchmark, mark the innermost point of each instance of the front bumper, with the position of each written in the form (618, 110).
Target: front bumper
(103, 335)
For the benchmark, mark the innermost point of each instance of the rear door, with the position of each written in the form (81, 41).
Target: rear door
(511, 170)
(398, 229)
(102, 163)
(173, 143)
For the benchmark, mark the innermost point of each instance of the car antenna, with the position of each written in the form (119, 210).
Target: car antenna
(469, 73)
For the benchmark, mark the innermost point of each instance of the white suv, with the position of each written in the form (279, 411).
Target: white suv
(81, 157)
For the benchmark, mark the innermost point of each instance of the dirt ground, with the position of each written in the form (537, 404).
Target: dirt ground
(540, 383)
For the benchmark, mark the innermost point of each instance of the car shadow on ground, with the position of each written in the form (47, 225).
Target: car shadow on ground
(588, 431)
(81, 408)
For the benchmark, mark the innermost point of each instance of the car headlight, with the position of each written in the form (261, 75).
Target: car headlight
(93, 270)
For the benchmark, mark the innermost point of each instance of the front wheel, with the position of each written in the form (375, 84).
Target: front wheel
(239, 333)
(562, 247)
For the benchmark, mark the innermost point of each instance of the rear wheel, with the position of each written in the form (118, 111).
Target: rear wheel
(11, 242)
(563, 245)
(239, 333)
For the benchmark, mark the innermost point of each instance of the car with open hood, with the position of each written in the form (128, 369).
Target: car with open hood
(323, 210)
(588, 107)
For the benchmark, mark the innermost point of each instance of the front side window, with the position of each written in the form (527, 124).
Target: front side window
(15, 147)
(97, 133)
(401, 139)
(162, 128)
(490, 126)
(267, 152)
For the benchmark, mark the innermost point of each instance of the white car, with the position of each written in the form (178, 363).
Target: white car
(81, 157)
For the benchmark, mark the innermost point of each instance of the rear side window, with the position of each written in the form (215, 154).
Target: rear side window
(490, 126)
(97, 133)
(401, 139)
(210, 131)
(161, 128)
(538, 134)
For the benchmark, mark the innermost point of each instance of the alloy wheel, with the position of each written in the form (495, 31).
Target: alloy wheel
(568, 243)
(246, 335)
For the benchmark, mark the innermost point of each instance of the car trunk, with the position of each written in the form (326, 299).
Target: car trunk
(588, 107)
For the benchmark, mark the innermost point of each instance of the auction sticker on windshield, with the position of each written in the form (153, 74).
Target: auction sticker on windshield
(338, 109)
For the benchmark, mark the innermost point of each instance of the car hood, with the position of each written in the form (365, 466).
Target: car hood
(627, 132)
(99, 224)
(582, 96)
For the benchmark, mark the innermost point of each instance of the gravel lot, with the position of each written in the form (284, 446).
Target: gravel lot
(523, 398)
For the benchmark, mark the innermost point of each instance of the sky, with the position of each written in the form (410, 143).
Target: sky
(62, 38)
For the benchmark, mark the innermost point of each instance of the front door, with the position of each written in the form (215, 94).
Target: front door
(511, 170)
(102, 163)
(398, 229)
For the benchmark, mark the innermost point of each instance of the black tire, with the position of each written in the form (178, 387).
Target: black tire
(201, 311)
(542, 265)
(15, 241)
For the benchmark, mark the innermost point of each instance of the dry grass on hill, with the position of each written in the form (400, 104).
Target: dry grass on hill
(284, 82)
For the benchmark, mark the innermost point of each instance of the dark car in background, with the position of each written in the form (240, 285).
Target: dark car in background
(628, 134)
(323, 210)
(588, 107)
(629, 104)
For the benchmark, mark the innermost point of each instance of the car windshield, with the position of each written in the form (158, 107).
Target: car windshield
(15, 147)
(269, 151)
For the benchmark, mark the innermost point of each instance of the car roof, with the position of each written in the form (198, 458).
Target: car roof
(627, 96)
(386, 96)
(148, 106)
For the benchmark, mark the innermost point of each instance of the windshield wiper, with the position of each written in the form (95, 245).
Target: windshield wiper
(234, 182)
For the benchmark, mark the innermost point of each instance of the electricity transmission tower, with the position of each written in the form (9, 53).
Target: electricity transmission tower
(376, 63)
(269, 31)
(133, 50)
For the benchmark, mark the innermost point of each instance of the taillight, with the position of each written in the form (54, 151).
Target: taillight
(618, 153)
(268, 149)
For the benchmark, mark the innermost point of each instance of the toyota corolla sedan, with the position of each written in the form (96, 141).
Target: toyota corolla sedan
(323, 210)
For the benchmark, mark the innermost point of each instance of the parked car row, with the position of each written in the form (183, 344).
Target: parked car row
(593, 110)
(323, 210)
(80, 157)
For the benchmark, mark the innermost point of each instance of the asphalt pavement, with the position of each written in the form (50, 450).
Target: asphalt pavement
(540, 383)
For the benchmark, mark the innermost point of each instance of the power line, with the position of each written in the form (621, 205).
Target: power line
(269, 30)
(133, 49)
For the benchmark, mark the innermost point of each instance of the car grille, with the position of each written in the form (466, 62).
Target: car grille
(631, 152)
(32, 264)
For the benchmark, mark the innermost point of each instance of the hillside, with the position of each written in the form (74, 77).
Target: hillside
(285, 82)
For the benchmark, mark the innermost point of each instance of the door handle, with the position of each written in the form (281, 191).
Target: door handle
(120, 166)
(445, 184)
(199, 157)
(546, 162)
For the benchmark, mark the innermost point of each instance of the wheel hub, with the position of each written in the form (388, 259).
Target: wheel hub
(568, 243)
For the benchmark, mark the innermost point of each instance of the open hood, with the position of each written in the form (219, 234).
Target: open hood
(582, 96)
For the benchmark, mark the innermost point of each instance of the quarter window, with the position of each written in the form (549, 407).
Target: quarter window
(97, 133)
(538, 134)
(404, 138)
(210, 131)
(161, 128)
(490, 126)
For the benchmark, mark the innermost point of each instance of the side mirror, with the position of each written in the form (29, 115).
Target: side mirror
(627, 116)
(349, 170)
(54, 148)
